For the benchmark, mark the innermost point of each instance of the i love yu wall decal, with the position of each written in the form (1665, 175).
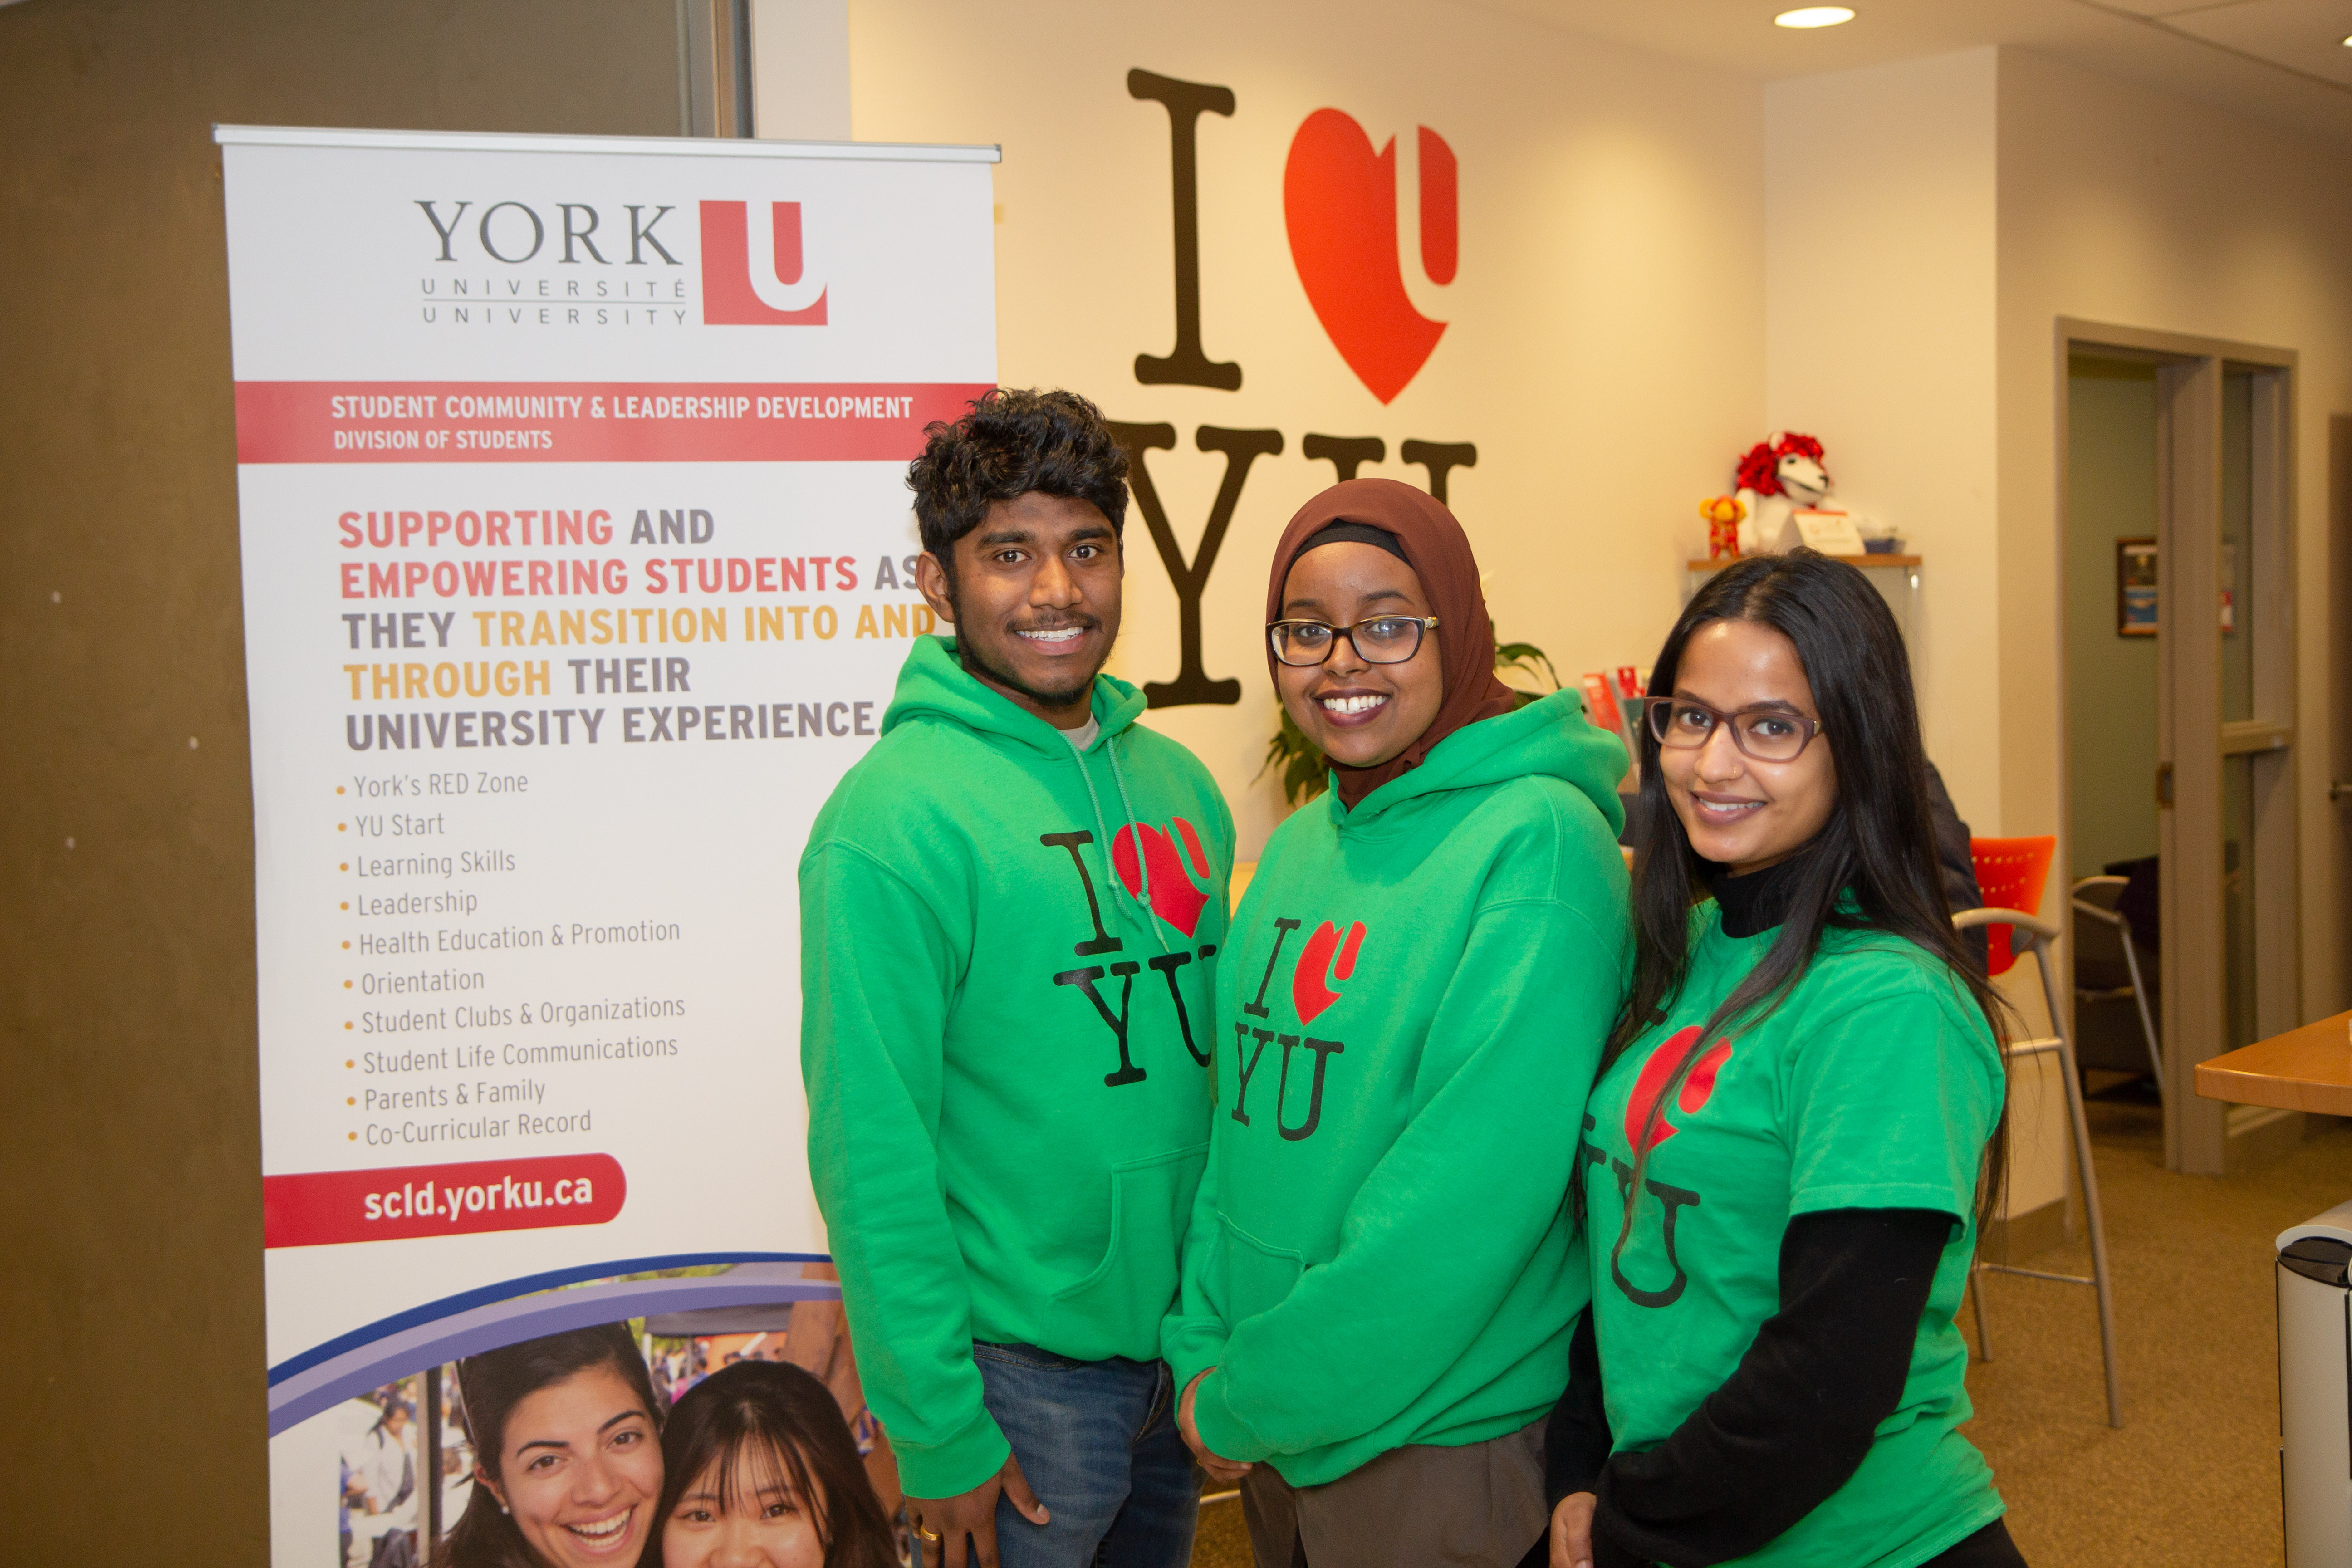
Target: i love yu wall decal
(1339, 205)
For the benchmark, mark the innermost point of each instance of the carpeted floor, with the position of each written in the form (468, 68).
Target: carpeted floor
(2192, 1478)
(1223, 1541)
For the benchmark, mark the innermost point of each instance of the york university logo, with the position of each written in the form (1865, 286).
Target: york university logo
(755, 269)
(566, 234)
(1643, 1131)
(566, 258)
(1329, 954)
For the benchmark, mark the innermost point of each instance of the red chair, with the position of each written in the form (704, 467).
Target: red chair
(2011, 875)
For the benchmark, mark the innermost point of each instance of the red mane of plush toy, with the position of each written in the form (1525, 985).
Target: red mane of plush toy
(1759, 470)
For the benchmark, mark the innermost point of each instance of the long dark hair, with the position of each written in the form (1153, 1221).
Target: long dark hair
(788, 1426)
(1877, 848)
(491, 1385)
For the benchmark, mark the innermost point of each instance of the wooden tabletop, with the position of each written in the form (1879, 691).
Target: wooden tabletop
(2308, 1069)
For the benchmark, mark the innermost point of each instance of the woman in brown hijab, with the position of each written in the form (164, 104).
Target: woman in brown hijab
(1379, 1282)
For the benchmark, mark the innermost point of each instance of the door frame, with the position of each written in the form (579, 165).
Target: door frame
(2191, 737)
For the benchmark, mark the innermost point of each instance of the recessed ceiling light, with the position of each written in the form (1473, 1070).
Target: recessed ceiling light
(1814, 17)
(2347, 42)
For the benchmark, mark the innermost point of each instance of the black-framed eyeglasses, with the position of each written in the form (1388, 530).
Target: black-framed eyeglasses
(1382, 640)
(1767, 734)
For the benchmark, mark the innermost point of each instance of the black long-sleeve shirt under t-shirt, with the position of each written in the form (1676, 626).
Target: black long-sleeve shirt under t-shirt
(1787, 1427)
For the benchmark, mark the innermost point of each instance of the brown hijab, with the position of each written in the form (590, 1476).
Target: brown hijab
(1439, 553)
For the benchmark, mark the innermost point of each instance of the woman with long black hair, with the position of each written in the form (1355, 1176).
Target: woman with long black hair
(1797, 1125)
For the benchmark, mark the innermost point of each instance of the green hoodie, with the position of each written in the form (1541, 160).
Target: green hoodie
(1004, 1052)
(1410, 1016)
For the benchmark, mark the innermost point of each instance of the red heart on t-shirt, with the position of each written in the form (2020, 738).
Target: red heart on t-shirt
(1310, 990)
(1696, 1089)
(1339, 205)
(1174, 897)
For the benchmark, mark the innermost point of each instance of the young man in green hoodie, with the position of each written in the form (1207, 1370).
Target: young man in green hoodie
(1010, 911)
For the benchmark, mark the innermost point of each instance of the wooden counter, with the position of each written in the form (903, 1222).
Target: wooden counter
(2308, 1069)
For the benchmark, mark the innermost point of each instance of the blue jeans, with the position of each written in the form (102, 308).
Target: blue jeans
(1098, 1441)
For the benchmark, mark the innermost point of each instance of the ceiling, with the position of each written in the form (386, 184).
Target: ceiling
(2279, 61)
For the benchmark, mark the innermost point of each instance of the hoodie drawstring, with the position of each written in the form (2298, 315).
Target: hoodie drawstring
(1110, 866)
(1110, 749)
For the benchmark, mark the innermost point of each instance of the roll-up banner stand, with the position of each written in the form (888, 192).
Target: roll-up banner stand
(578, 567)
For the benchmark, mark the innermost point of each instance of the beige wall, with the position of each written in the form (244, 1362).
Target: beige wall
(2121, 205)
(1605, 346)
(1881, 303)
(800, 69)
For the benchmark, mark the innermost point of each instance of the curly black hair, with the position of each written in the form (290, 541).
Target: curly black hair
(1014, 441)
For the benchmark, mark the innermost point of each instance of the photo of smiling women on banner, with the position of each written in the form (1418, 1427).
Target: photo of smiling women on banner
(762, 1469)
(569, 1468)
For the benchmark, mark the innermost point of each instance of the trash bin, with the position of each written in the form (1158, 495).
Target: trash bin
(2315, 1343)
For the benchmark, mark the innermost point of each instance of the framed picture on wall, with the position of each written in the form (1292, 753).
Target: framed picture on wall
(2135, 587)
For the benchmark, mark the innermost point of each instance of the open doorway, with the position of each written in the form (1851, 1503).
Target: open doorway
(2113, 867)
(2177, 563)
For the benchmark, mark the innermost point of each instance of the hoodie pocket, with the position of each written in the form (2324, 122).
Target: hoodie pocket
(1257, 1277)
(1117, 1308)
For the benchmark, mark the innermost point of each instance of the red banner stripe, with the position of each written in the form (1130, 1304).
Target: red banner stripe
(320, 1208)
(589, 421)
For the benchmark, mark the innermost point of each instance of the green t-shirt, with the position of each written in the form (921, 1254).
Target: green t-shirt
(1875, 1084)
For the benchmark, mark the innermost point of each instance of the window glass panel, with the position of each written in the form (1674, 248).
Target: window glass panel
(2238, 599)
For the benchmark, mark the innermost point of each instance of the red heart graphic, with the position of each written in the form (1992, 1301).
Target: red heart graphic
(1696, 1089)
(1310, 994)
(1175, 898)
(1340, 204)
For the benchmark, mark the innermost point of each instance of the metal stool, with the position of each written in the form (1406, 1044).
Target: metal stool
(2038, 937)
(2108, 888)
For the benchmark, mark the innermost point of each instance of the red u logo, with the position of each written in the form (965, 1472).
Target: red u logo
(732, 295)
